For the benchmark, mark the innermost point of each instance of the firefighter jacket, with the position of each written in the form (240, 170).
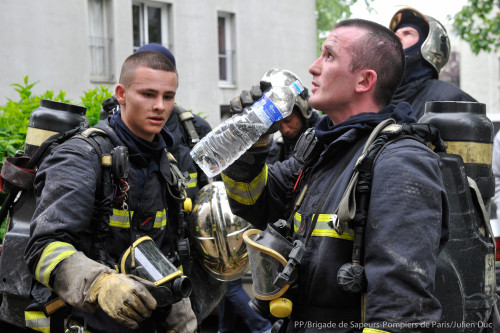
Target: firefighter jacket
(406, 226)
(67, 187)
(180, 148)
(428, 89)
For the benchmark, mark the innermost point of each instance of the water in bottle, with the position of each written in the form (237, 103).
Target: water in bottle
(228, 141)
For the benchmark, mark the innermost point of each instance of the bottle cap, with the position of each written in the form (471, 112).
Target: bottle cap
(280, 307)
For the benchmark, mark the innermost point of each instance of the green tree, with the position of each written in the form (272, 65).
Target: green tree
(328, 12)
(478, 23)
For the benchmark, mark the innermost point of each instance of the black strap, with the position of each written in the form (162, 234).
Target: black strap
(186, 117)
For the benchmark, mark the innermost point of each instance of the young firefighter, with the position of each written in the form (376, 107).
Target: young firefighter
(66, 230)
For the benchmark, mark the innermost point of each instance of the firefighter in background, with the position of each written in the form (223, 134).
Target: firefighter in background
(61, 251)
(291, 127)
(427, 49)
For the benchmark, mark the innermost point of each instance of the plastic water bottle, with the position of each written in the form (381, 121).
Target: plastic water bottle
(228, 141)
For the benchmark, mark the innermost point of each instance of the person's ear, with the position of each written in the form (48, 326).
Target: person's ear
(367, 80)
(120, 92)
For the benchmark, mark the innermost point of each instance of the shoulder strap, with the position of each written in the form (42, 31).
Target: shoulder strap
(353, 208)
(99, 139)
(186, 117)
(347, 206)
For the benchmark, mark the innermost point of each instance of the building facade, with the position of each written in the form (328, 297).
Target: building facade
(221, 46)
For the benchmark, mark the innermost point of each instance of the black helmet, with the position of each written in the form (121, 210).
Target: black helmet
(436, 47)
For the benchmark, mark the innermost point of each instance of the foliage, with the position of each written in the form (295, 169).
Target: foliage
(328, 12)
(92, 100)
(478, 23)
(14, 116)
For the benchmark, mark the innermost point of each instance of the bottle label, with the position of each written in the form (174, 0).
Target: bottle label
(267, 111)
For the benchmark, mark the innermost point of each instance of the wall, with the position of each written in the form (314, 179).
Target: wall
(48, 41)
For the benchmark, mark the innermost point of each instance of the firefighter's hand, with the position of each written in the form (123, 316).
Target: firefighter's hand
(123, 299)
(248, 97)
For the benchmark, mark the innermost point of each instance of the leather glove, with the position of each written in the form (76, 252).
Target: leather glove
(122, 298)
(247, 98)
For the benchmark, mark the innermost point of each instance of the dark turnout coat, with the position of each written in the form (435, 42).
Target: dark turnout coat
(406, 226)
(67, 184)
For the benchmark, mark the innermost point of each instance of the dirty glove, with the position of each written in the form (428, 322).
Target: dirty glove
(247, 98)
(78, 282)
(123, 299)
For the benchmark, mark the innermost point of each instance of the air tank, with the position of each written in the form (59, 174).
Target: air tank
(51, 118)
(467, 132)
(48, 119)
(465, 274)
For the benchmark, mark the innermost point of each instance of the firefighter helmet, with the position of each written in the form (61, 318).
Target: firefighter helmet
(281, 77)
(436, 46)
(218, 234)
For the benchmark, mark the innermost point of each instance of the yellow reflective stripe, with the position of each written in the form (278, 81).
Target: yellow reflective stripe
(52, 255)
(37, 136)
(193, 180)
(373, 330)
(37, 321)
(161, 219)
(246, 193)
(322, 229)
(471, 152)
(120, 219)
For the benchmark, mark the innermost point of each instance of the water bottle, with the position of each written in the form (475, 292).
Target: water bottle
(228, 141)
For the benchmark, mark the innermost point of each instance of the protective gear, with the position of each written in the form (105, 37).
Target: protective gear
(77, 157)
(123, 299)
(427, 89)
(217, 234)
(273, 259)
(283, 77)
(318, 296)
(269, 253)
(144, 260)
(436, 47)
(248, 97)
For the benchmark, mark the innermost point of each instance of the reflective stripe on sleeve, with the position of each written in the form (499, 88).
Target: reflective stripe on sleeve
(193, 180)
(246, 193)
(36, 320)
(322, 229)
(373, 330)
(52, 255)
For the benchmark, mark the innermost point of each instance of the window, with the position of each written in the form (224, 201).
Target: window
(226, 48)
(101, 68)
(150, 23)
